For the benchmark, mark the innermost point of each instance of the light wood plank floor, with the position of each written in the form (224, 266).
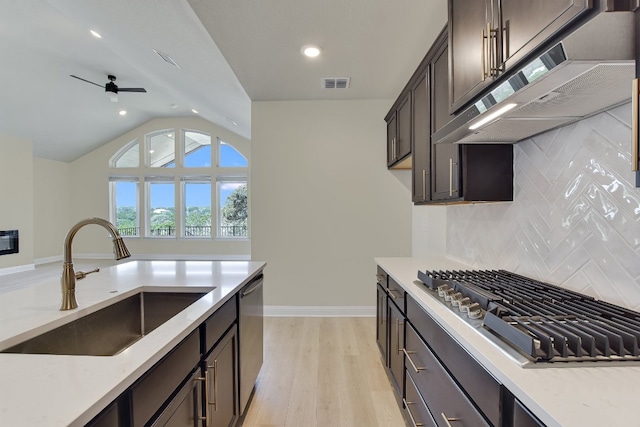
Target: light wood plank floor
(322, 372)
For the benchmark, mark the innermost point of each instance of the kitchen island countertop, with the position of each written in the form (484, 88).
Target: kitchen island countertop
(563, 396)
(61, 390)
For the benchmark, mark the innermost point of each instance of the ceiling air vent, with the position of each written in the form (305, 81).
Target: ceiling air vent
(336, 82)
(166, 58)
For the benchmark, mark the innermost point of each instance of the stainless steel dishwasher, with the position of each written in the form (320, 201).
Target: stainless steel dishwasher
(251, 337)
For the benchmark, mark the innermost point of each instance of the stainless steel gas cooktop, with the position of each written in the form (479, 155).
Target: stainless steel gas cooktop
(546, 324)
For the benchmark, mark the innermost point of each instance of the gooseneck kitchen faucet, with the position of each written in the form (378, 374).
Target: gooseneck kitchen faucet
(68, 279)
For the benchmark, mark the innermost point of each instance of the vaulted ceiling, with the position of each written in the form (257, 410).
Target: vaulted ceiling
(226, 54)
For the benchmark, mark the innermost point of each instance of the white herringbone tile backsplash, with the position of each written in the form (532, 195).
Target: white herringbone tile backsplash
(575, 218)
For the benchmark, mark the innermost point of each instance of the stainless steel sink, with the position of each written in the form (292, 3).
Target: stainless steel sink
(112, 329)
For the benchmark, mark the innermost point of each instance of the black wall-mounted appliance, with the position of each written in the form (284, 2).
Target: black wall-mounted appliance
(9, 242)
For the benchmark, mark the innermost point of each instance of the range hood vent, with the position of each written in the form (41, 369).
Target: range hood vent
(587, 72)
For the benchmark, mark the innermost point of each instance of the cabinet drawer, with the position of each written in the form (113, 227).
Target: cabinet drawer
(415, 407)
(485, 391)
(442, 395)
(152, 390)
(396, 293)
(218, 323)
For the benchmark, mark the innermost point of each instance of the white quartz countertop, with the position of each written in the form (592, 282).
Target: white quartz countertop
(60, 390)
(600, 395)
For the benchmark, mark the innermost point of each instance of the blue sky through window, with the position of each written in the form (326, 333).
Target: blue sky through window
(230, 157)
(126, 194)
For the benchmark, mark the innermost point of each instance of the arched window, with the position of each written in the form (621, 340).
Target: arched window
(178, 199)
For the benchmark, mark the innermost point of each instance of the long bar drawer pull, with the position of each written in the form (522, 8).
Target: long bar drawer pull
(634, 120)
(413, 365)
(205, 379)
(449, 420)
(413, 420)
(391, 291)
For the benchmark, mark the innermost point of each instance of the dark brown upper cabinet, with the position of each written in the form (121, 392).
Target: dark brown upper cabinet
(421, 140)
(399, 135)
(444, 173)
(488, 37)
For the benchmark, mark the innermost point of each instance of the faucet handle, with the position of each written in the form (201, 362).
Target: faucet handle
(82, 274)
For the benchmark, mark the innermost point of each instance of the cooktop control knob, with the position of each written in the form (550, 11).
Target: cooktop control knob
(456, 298)
(442, 289)
(475, 311)
(464, 304)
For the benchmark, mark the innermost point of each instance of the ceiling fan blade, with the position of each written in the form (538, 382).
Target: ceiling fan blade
(131, 89)
(85, 80)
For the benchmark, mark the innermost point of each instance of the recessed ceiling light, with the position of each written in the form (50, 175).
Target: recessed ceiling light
(150, 151)
(122, 112)
(311, 51)
(194, 111)
(96, 34)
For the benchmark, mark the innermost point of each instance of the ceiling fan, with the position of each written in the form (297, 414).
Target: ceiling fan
(111, 88)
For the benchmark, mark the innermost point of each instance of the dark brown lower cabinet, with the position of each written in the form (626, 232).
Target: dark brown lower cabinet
(445, 400)
(396, 344)
(381, 321)
(221, 370)
(414, 406)
(185, 409)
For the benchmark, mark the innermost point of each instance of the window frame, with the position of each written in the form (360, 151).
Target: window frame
(232, 178)
(195, 179)
(148, 182)
(113, 203)
(145, 175)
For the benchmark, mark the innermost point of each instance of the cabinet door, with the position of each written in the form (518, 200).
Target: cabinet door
(391, 140)
(381, 322)
(421, 125)
(404, 129)
(221, 392)
(396, 344)
(185, 408)
(445, 172)
(526, 24)
(467, 23)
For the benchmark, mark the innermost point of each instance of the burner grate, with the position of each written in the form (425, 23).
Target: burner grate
(546, 322)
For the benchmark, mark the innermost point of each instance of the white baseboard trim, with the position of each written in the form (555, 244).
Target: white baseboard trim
(169, 257)
(47, 260)
(17, 269)
(319, 311)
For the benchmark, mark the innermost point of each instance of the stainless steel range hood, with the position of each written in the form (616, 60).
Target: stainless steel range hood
(588, 71)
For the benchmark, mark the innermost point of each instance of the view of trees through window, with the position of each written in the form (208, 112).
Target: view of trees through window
(233, 209)
(198, 218)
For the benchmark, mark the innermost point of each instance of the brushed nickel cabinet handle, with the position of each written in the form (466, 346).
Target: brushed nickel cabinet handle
(450, 177)
(483, 54)
(391, 291)
(213, 403)
(406, 406)
(634, 125)
(205, 379)
(413, 365)
(399, 347)
(490, 47)
(424, 184)
(449, 420)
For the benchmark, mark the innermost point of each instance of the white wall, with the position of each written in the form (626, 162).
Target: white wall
(575, 218)
(323, 203)
(52, 208)
(16, 197)
(90, 198)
